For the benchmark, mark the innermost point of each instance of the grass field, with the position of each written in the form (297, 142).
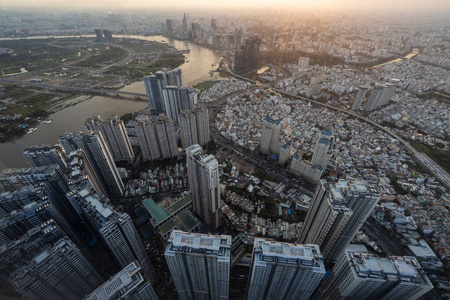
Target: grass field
(140, 46)
(169, 61)
(34, 55)
(102, 54)
(441, 157)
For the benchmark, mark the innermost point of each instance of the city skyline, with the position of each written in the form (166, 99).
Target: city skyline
(400, 6)
(265, 150)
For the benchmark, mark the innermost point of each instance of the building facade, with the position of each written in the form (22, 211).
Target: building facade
(99, 156)
(360, 96)
(194, 127)
(199, 265)
(115, 135)
(129, 283)
(61, 272)
(359, 275)
(283, 271)
(156, 137)
(203, 175)
(44, 155)
(269, 135)
(113, 228)
(336, 214)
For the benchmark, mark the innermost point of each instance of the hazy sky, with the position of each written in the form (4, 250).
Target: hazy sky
(442, 6)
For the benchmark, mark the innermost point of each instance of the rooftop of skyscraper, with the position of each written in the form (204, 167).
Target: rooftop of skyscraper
(183, 241)
(266, 250)
(268, 119)
(394, 268)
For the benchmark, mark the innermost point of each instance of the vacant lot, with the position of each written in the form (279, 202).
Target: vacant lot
(34, 55)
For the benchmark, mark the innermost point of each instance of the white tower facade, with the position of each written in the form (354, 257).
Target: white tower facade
(203, 175)
(199, 265)
(282, 271)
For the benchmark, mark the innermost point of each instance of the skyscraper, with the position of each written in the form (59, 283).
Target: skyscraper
(324, 149)
(154, 85)
(336, 213)
(108, 36)
(59, 272)
(194, 127)
(129, 283)
(44, 155)
(98, 33)
(12, 256)
(360, 96)
(82, 174)
(203, 175)
(169, 27)
(374, 98)
(17, 178)
(359, 275)
(269, 135)
(285, 153)
(99, 156)
(247, 57)
(174, 77)
(22, 184)
(388, 92)
(113, 228)
(284, 271)
(185, 30)
(115, 136)
(156, 137)
(177, 99)
(17, 223)
(199, 265)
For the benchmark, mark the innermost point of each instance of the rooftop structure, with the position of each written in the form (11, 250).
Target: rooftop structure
(129, 283)
(284, 271)
(186, 253)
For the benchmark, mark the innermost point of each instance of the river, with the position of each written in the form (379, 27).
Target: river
(195, 70)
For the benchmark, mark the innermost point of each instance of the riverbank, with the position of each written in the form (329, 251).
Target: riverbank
(30, 97)
(72, 118)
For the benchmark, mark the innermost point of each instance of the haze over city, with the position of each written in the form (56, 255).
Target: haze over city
(398, 6)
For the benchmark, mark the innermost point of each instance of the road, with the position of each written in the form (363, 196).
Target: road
(388, 244)
(137, 96)
(421, 158)
(258, 161)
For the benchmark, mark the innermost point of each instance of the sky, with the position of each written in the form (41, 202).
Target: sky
(442, 6)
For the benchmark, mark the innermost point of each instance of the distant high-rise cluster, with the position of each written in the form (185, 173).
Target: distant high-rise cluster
(337, 212)
(194, 127)
(114, 134)
(199, 264)
(313, 171)
(103, 36)
(284, 271)
(203, 175)
(156, 137)
(247, 57)
(379, 96)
